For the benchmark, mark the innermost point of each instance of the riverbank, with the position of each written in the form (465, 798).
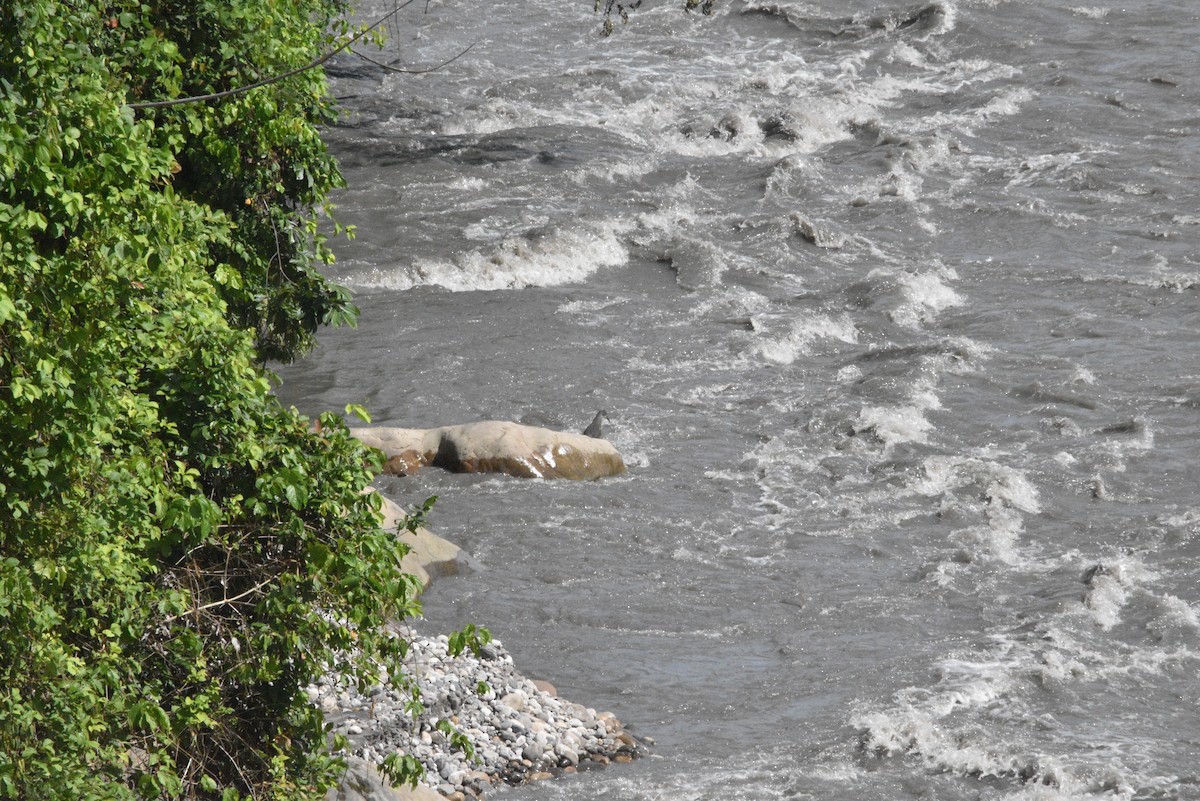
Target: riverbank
(516, 729)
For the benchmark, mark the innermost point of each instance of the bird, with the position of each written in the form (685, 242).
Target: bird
(596, 428)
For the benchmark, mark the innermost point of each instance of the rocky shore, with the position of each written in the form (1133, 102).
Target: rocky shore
(518, 730)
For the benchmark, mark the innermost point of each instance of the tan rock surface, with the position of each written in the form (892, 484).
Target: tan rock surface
(495, 446)
(414, 447)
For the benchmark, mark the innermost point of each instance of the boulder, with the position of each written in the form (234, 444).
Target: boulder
(407, 449)
(495, 446)
(429, 555)
(362, 782)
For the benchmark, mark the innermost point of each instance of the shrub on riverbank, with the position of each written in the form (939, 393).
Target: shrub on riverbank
(179, 555)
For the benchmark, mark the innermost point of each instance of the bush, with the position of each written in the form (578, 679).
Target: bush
(179, 555)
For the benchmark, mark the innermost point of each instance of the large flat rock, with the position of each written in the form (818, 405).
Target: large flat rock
(495, 446)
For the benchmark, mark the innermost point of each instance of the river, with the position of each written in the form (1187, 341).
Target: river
(894, 312)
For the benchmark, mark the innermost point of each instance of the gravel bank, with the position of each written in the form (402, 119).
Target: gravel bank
(520, 731)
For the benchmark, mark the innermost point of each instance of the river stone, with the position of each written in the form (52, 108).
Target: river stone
(495, 446)
(515, 700)
(565, 753)
(533, 751)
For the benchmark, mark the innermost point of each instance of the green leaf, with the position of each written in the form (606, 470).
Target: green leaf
(319, 555)
(402, 769)
(470, 636)
(358, 411)
(8, 309)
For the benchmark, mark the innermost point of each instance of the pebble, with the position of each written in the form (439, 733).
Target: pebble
(518, 730)
(565, 754)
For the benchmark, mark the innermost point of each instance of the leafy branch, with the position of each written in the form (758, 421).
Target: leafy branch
(180, 101)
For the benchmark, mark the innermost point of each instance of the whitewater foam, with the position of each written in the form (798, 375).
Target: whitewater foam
(542, 257)
(926, 295)
(798, 339)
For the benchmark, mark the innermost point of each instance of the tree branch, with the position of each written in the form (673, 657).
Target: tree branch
(390, 68)
(179, 101)
(222, 602)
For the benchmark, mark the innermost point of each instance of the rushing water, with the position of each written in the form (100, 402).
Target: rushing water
(894, 311)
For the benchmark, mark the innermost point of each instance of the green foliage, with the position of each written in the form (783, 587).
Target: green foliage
(417, 515)
(257, 158)
(458, 740)
(471, 636)
(358, 411)
(179, 555)
(401, 768)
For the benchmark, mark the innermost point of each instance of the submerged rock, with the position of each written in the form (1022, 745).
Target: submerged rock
(495, 446)
(429, 555)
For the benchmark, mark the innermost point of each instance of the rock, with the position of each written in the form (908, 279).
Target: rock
(404, 463)
(429, 555)
(515, 700)
(545, 687)
(817, 236)
(566, 754)
(496, 447)
(362, 782)
(418, 445)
